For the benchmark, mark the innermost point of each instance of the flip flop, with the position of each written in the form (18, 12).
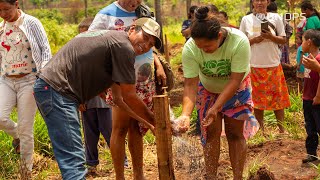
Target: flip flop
(16, 145)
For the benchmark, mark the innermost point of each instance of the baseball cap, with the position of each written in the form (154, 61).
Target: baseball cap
(151, 27)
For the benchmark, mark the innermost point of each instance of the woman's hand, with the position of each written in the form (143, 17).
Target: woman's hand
(181, 124)
(211, 116)
(267, 34)
(256, 40)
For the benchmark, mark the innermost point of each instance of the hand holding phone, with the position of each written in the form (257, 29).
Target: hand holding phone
(264, 26)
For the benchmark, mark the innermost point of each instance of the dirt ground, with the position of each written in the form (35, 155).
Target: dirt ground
(278, 159)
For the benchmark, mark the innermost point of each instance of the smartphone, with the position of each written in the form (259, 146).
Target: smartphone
(264, 26)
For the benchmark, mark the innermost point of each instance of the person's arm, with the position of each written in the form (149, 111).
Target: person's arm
(128, 92)
(186, 33)
(311, 63)
(273, 38)
(229, 91)
(188, 102)
(161, 75)
(316, 99)
(41, 38)
(255, 40)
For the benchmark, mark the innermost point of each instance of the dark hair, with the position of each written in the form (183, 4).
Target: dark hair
(9, 1)
(224, 14)
(191, 11)
(205, 26)
(272, 7)
(213, 8)
(313, 35)
(307, 5)
(85, 23)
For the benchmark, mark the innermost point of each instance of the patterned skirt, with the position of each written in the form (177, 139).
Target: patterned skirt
(239, 107)
(269, 88)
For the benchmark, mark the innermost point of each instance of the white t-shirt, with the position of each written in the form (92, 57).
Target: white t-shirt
(266, 53)
(15, 51)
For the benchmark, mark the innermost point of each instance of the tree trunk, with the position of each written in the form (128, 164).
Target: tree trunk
(86, 8)
(21, 5)
(188, 5)
(157, 7)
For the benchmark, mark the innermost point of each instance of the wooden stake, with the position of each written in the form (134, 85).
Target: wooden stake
(166, 49)
(163, 137)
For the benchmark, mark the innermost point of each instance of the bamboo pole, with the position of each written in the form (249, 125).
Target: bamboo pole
(163, 137)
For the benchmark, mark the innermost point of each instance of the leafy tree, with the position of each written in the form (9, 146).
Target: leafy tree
(231, 7)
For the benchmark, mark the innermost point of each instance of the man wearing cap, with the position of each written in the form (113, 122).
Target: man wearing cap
(119, 15)
(86, 66)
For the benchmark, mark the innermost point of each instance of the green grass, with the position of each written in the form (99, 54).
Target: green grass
(173, 33)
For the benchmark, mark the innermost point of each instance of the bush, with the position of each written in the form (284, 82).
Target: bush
(58, 35)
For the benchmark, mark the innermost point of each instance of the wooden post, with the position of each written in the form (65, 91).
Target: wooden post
(163, 137)
(166, 49)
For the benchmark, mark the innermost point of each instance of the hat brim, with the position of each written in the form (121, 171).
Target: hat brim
(158, 43)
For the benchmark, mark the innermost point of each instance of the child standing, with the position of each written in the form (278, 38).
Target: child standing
(311, 95)
(300, 66)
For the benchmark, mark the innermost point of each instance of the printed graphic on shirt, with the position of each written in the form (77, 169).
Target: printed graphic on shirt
(144, 72)
(217, 68)
(16, 52)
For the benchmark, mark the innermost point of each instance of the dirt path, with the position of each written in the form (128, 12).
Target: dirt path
(282, 157)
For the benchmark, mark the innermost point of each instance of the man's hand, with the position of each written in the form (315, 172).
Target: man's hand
(311, 63)
(103, 96)
(82, 107)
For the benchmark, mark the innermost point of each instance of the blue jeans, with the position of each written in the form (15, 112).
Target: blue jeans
(312, 124)
(62, 120)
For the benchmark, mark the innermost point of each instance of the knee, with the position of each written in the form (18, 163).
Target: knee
(233, 135)
(120, 131)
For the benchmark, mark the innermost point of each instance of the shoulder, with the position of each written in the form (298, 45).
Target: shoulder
(114, 10)
(236, 34)
(119, 41)
(30, 19)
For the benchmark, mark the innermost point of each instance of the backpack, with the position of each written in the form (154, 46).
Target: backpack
(143, 11)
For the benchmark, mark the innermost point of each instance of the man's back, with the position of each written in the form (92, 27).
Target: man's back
(90, 63)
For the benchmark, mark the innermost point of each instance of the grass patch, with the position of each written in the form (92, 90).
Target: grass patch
(173, 33)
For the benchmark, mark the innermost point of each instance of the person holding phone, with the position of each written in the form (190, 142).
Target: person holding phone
(266, 31)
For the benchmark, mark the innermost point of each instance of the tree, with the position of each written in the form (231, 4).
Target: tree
(86, 8)
(157, 7)
(188, 5)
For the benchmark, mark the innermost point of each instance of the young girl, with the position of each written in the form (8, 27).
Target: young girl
(24, 51)
(311, 95)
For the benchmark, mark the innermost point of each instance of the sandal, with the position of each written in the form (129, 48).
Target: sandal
(16, 145)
